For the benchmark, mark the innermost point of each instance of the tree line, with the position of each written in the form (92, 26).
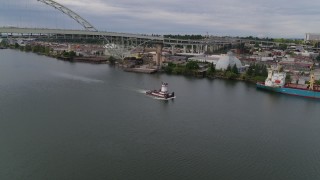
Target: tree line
(254, 73)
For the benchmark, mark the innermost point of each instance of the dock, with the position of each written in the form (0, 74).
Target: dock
(93, 60)
(140, 70)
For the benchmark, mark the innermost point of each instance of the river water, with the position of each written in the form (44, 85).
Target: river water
(61, 120)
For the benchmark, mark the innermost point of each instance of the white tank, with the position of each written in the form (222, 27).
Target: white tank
(164, 87)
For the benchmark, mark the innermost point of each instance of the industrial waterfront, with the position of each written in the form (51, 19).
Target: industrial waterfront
(62, 120)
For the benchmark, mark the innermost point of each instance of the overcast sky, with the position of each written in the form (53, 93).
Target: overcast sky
(268, 18)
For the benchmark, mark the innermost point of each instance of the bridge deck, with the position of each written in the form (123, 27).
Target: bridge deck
(74, 32)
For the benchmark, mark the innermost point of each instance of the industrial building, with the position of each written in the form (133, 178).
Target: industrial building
(312, 37)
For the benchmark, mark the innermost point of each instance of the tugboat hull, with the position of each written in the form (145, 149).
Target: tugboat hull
(158, 94)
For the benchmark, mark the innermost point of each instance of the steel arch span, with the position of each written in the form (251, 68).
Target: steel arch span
(112, 49)
(84, 23)
(119, 51)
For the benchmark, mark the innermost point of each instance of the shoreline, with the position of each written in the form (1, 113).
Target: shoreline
(89, 60)
(103, 60)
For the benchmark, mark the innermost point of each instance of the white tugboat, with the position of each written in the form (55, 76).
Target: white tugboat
(162, 93)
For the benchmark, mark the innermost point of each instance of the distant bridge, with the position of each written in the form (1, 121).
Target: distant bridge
(125, 39)
(68, 34)
(83, 34)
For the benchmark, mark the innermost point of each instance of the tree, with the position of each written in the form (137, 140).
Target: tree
(264, 71)
(47, 50)
(235, 69)
(288, 78)
(192, 65)
(250, 70)
(65, 54)
(318, 58)
(112, 60)
(36, 48)
(212, 69)
(231, 75)
(229, 68)
(16, 45)
(169, 69)
(72, 54)
(256, 70)
(28, 48)
(4, 43)
(179, 70)
(283, 46)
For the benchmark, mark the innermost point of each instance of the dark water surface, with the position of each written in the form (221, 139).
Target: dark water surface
(63, 121)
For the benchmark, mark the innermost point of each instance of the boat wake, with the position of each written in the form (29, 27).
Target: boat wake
(142, 91)
(147, 93)
(78, 78)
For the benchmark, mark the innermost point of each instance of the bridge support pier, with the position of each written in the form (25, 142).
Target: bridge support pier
(158, 55)
(211, 48)
(205, 48)
(184, 49)
(198, 49)
(173, 49)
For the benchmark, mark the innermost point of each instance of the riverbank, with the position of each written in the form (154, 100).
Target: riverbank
(65, 56)
(186, 70)
(207, 70)
(190, 68)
